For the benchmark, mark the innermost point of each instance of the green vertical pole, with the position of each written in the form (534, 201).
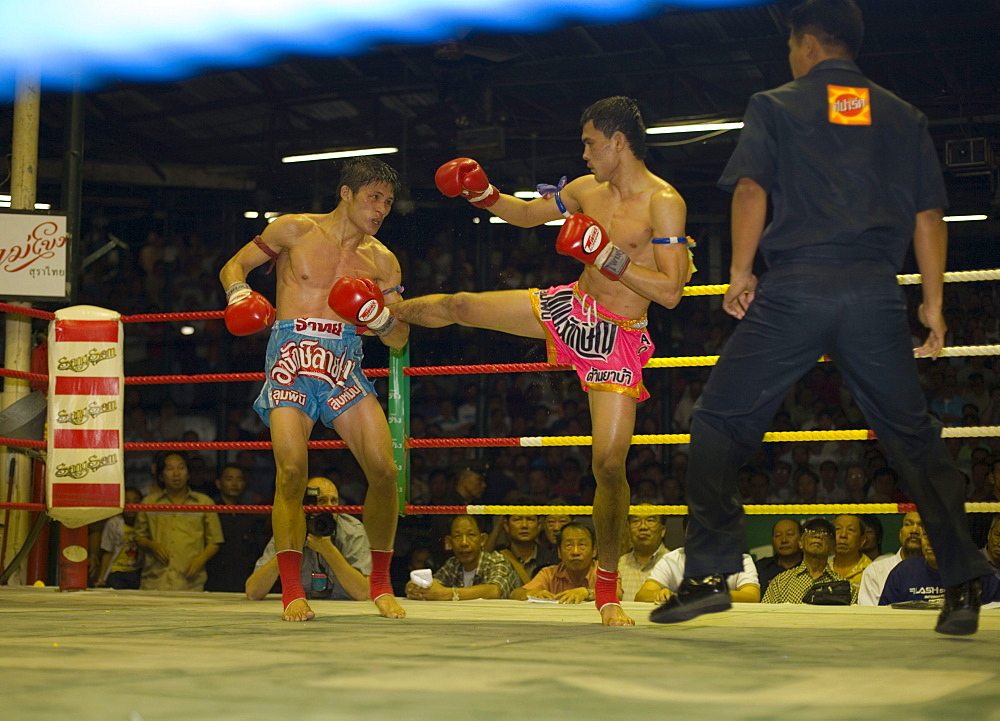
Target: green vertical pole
(399, 421)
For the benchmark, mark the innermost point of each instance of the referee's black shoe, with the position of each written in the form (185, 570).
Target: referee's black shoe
(960, 615)
(695, 596)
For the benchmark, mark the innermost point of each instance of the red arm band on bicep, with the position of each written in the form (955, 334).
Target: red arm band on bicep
(268, 251)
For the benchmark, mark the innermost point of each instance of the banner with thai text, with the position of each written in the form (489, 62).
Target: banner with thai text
(34, 255)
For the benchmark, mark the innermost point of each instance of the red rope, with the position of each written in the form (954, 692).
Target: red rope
(188, 507)
(21, 443)
(410, 509)
(190, 315)
(203, 378)
(221, 377)
(462, 442)
(24, 375)
(220, 445)
(33, 312)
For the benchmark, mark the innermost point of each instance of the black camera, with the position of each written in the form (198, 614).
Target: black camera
(319, 524)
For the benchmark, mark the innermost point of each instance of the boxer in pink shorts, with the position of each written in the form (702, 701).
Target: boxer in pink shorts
(607, 350)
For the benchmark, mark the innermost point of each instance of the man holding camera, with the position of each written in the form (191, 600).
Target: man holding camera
(336, 561)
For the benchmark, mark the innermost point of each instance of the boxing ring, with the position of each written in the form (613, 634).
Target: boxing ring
(107, 654)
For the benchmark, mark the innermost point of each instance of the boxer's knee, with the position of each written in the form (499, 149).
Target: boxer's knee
(460, 306)
(290, 479)
(609, 467)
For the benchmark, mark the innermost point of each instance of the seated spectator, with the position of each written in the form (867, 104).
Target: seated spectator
(856, 485)
(871, 535)
(551, 524)
(947, 403)
(572, 581)
(646, 532)
(781, 477)
(806, 486)
(918, 579)
(468, 487)
(522, 550)
(121, 560)
(873, 578)
(848, 561)
(785, 540)
(229, 569)
(567, 484)
(760, 487)
(992, 548)
(885, 488)
(668, 573)
(177, 545)
(830, 488)
(335, 565)
(471, 572)
(791, 585)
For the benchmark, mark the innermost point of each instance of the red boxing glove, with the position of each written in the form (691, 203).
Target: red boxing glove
(247, 312)
(360, 301)
(465, 177)
(583, 238)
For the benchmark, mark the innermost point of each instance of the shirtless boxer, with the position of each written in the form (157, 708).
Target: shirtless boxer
(333, 279)
(597, 324)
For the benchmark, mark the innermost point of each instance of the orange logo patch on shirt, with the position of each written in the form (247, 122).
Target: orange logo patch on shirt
(848, 106)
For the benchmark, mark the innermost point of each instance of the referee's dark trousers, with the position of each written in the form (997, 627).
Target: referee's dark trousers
(856, 314)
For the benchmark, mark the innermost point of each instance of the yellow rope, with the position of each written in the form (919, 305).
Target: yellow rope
(775, 509)
(771, 437)
(709, 360)
(960, 276)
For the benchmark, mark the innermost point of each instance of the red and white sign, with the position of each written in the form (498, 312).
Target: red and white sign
(34, 255)
(85, 478)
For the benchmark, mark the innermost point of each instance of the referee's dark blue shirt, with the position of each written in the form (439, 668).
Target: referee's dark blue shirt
(841, 192)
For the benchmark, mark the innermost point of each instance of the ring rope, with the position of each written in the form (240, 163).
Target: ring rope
(503, 510)
(526, 441)
(681, 438)
(665, 362)
(959, 276)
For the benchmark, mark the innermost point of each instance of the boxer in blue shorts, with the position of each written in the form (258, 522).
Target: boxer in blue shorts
(332, 275)
(313, 364)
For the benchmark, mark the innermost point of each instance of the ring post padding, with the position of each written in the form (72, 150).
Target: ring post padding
(85, 478)
(399, 421)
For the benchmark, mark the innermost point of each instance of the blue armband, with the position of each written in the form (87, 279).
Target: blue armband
(676, 240)
(548, 191)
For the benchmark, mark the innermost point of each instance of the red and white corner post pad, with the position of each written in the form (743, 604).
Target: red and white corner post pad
(85, 476)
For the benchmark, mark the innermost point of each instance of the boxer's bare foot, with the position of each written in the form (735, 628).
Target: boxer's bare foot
(613, 615)
(389, 607)
(298, 610)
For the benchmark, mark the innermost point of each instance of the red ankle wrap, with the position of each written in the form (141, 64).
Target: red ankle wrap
(606, 588)
(289, 569)
(379, 583)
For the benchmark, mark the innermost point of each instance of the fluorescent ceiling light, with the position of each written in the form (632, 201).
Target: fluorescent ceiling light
(5, 201)
(694, 128)
(961, 218)
(187, 330)
(251, 214)
(338, 154)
